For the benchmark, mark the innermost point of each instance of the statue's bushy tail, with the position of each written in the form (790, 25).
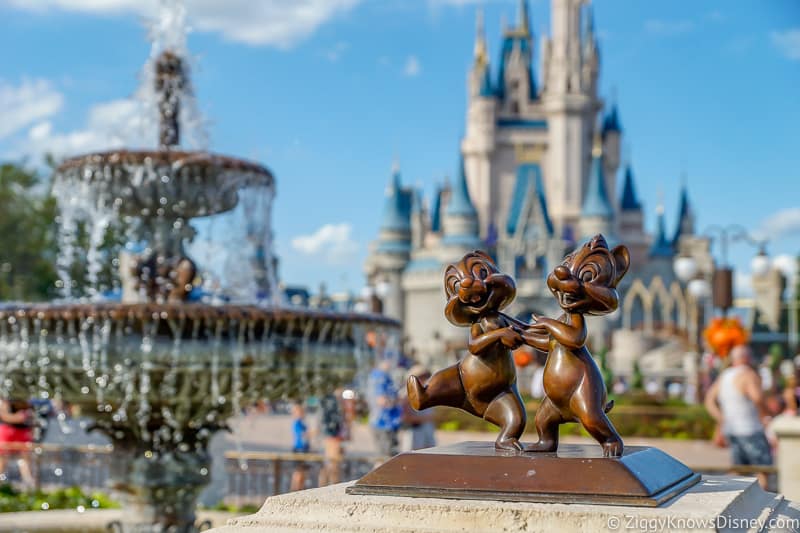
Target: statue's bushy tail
(609, 406)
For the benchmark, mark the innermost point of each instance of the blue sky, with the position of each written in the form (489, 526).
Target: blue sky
(327, 93)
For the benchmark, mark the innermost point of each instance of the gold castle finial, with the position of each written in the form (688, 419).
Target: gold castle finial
(528, 154)
(597, 144)
(481, 52)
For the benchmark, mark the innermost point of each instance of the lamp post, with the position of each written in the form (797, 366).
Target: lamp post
(721, 287)
(722, 280)
(697, 290)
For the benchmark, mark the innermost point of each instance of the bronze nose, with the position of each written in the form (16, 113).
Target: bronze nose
(466, 283)
(562, 273)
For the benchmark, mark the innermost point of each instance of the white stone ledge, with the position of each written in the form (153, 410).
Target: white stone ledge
(715, 501)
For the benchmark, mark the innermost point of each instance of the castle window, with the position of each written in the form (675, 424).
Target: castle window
(514, 107)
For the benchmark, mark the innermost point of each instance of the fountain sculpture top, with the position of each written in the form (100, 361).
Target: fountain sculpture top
(156, 192)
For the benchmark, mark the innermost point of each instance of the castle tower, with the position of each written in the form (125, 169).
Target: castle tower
(611, 133)
(570, 103)
(662, 246)
(516, 87)
(479, 139)
(685, 218)
(631, 221)
(597, 214)
(392, 251)
(460, 224)
(419, 220)
(591, 53)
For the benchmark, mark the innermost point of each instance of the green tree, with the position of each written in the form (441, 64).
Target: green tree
(27, 235)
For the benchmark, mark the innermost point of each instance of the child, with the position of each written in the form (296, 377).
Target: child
(300, 445)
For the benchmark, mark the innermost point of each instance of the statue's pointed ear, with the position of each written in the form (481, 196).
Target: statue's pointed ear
(622, 261)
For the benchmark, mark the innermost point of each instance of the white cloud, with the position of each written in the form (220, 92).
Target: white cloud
(412, 67)
(109, 125)
(332, 243)
(783, 223)
(788, 42)
(26, 103)
(668, 27)
(281, 23)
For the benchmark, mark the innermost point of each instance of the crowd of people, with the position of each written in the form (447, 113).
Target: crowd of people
(740, 394)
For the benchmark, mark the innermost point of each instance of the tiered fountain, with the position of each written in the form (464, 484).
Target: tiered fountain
(157, 373)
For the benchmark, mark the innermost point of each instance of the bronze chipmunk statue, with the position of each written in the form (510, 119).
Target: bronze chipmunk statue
(484, 382)
(584, 284)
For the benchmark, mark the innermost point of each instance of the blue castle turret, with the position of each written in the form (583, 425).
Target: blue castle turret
(685, 218)
(629, 201)
(395, 229)
(662, 247)
(597, 213)
(461, 225)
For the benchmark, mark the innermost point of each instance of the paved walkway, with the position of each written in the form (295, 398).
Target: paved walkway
(269, 432)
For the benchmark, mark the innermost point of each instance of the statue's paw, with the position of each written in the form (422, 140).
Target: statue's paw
(541, 446)
(415, 392)
(509, 444)
(612, 449)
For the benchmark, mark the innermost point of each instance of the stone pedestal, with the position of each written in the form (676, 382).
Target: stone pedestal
(714, 504)
(787, 429)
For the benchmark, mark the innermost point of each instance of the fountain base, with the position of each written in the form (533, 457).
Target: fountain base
(159, 489)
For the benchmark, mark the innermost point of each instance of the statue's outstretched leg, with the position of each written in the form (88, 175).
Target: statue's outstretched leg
(443, 388)
(594, 419)
(547, 420)
(508, 412)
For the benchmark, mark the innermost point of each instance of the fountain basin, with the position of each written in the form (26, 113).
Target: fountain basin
(177, 365)
(166, 183)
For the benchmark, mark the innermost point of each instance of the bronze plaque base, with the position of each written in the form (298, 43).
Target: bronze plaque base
(642, 477)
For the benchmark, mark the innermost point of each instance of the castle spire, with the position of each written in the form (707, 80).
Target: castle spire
(629, 201)
(460, 202)
(481, 52)
(524, 19)
(395, 216)
(460, 218)
(596, 203)
(661, 245)
(685, 216)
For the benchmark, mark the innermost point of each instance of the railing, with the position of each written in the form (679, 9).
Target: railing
(254, 476)
(55, 465)
(251, 477)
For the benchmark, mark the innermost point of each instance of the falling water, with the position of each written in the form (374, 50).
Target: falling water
(157, 350)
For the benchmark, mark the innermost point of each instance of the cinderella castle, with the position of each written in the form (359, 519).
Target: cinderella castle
(538, 174)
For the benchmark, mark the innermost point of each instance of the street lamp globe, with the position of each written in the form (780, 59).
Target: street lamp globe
(787, 264)
(383, 289)
(699, 289)
(367, 292)
(685, 268)
(760, 265)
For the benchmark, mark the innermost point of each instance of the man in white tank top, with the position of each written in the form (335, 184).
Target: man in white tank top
(736, 402)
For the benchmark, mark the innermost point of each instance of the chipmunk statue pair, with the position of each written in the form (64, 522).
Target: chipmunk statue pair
(483, 383)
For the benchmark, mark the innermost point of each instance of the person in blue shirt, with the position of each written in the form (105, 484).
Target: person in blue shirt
(385, 412)
(300, 444)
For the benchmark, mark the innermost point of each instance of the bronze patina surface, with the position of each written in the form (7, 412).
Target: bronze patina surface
(483, 383)
(642, 476)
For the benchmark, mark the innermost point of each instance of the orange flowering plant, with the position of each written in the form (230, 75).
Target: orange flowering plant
(722, 334)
